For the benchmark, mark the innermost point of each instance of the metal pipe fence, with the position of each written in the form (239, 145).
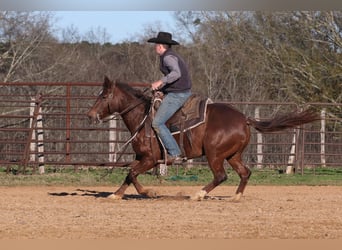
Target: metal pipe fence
(45, 124)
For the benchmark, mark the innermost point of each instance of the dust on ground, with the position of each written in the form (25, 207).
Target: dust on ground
(265, 212)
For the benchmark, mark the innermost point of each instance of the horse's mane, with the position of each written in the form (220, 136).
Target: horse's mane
(135, 91)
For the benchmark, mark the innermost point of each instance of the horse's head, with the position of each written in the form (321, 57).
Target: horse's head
(104, 106)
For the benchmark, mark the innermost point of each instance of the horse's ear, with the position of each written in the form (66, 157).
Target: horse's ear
(107, 84)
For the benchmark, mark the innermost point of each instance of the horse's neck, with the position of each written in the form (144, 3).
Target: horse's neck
(133, 117)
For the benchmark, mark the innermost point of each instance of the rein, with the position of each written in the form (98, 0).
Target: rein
(123, 148)
(128, 109)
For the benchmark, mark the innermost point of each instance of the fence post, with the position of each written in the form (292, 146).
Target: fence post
(40, 142)
(112, 140)
(322, 132)
(33, 123)
(68, 125)
(259, 141)
(33, 137)
(292, 157)
(303, 149)
(37, 138)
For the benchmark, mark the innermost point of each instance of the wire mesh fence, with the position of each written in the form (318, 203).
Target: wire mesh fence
(46, 124)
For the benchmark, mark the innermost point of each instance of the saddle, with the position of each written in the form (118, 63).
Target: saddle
(191, 115)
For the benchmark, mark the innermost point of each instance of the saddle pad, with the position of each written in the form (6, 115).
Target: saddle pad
(192, 114)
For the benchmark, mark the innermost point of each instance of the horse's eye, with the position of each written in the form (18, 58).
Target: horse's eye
(104, 96)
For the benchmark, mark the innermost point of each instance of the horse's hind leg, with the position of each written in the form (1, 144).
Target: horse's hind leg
(242, 171)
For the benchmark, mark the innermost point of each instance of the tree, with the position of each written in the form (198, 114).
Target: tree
(22, 33)
(228, 55)
(305, 47)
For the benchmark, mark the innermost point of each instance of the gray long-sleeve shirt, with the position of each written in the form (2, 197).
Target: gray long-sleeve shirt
(172, 63)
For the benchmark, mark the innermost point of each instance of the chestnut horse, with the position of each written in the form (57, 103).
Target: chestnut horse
(223, 136)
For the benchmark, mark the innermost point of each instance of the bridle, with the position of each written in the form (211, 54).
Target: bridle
(123, 148)
(126, 110)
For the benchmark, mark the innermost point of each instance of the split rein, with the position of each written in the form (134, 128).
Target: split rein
(123, 148)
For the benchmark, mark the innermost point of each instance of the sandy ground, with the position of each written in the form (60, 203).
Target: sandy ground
(265, 212)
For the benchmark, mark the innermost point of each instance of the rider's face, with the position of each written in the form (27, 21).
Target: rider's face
(159, 48)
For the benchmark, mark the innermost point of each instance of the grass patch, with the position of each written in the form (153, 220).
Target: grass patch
(176, 176)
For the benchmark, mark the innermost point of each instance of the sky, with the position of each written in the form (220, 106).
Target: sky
(120, 25)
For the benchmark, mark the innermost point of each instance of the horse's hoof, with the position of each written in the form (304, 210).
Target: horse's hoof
(199, 195)
(150, 193)
(115, 197)
(237, 197)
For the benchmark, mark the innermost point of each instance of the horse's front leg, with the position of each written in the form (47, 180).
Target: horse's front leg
(144, 165)
(135, 170)
(118, 194)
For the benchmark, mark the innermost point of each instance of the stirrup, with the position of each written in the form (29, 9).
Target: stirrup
(173, 160)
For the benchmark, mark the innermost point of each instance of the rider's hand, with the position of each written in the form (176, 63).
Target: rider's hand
(156, 85)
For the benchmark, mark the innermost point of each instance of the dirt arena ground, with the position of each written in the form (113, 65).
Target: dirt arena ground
(265, 212)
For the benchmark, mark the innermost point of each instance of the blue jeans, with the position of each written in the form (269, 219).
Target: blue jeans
(170, 104)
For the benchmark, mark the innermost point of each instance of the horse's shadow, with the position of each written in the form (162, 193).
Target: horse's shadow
(83, 192)
(98, 194)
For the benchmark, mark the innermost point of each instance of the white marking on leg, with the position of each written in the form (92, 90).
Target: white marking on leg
(237, 197)
(199, 195)
(114, 197)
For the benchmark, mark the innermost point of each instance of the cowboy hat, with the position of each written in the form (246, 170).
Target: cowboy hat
(163, 38)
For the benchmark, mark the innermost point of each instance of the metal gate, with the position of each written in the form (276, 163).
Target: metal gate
(45, 124)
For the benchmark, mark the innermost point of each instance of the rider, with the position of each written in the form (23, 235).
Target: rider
(176, 87)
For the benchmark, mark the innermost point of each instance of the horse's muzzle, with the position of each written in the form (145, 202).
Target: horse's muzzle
(94, 118)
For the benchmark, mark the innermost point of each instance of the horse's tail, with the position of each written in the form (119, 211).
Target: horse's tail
(281, 122)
